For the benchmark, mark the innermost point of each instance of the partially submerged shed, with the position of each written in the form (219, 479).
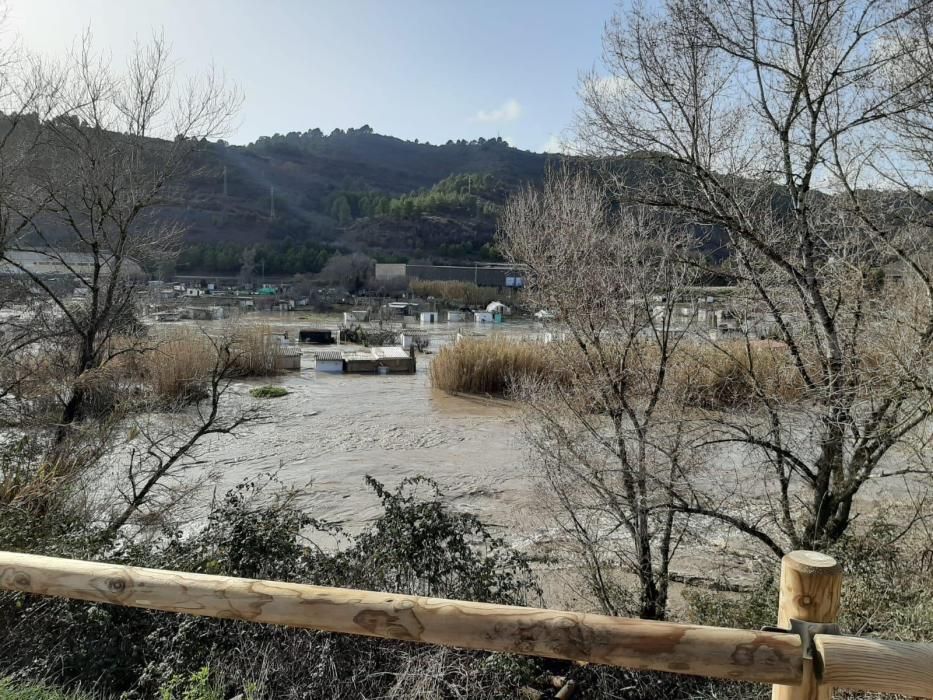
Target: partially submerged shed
(328, 361)
(316, 336)
(387, 360)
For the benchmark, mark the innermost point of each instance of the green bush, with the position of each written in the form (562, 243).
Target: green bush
(417, 545)
(15, 691)
(268, 392)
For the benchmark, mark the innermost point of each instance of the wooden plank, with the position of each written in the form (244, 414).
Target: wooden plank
(763, 657)
(876, 664)
(811, 584)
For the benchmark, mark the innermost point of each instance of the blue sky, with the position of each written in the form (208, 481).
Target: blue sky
(427, 69)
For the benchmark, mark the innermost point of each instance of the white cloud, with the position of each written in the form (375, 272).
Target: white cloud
(559, 144)
(509, 111)
(552, 145)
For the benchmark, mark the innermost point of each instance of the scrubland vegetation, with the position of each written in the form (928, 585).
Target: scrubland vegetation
(268, 392)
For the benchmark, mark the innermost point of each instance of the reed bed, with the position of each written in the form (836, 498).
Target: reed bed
(732, 375)
(700, 376)
(455, 292)
(179, 367)
(257, 350)
(476, 366)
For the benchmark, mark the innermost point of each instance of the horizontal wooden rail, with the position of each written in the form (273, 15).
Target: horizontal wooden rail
(875, 664)
(753, 656)
(763, 657)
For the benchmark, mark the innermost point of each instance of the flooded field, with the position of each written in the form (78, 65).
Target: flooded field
(334, 429)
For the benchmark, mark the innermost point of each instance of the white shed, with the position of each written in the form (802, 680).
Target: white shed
(330, 361)
(497, 307)
(454, 316)
(484, 317)
(428, 317)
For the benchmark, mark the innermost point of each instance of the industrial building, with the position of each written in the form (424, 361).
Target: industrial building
(497, 275)
(45, 262)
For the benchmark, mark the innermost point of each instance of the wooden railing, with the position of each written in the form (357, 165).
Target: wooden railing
(798, 664)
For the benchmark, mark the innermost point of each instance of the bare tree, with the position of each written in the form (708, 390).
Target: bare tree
(156, 476)
(607, 433)
(768, 121)
(353, 271)
(100, 170)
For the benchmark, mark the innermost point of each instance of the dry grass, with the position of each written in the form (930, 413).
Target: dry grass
(178, 367)
(455, 292)
(475, 366)
(256, 349)
(732, 375)
(702, 376)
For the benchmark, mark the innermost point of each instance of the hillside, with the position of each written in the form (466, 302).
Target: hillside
(298, 195)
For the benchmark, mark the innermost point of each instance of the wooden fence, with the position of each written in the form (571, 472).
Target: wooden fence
(804, 663)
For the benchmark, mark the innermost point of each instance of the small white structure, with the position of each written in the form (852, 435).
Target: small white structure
(328, 361)
(428, 318)
(484, 317)
(417, 340)
(497, 307)
(193, 292)
(355, 316)
(454, 316)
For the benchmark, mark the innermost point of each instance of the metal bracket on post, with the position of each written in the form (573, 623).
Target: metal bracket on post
(806, 631)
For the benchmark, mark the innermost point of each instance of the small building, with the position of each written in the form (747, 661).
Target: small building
(316, 336)
(288, 358)
(356, 316)
(455, 316)
(484, 317)
(418, 341)
(497, 307)
(401, 308)
(330, 361)
(203, 313)
(428, 318)
(193, 292)
(386, 360)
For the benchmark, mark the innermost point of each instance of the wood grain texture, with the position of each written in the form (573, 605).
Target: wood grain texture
(876, 664)
(811, 584)
(764, 657)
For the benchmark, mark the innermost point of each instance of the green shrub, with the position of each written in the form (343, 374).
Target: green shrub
(268, 392)
(417, 545)
(15, 691)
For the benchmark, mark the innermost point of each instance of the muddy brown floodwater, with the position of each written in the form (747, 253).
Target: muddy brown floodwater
(332, 430)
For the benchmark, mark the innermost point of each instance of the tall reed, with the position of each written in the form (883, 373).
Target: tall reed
(478, 366)
(700, 375)
(455, 292)
(179, 366)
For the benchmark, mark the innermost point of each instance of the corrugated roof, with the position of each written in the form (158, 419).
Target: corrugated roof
(329, 356)
(390, 353)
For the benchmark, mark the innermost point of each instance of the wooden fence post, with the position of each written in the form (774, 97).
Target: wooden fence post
(810, 587)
